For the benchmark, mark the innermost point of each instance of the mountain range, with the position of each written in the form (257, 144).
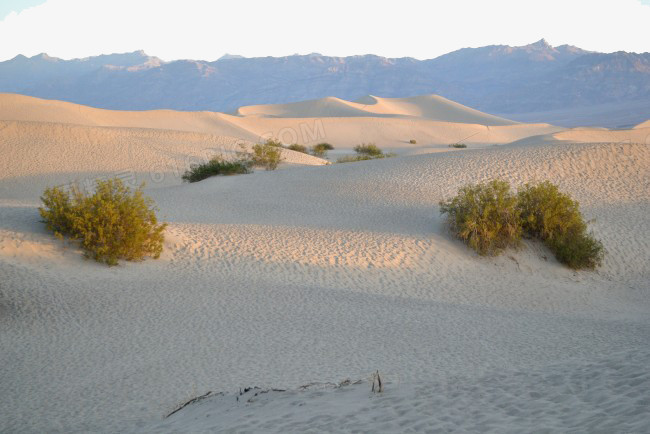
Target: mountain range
(564, 85)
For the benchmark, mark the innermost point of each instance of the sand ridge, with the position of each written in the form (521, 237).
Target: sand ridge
(430, 107)
(316, 121)
(313, 274)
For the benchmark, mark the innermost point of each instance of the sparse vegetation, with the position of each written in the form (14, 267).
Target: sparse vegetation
(365, 151)
(555, 218)
(320, 150)
(111, 224)
(489, 218)
(413, 142)
(298, 148)
(485, 217)
(354, 158)
(266, 155)
(216, 166)
(369, 149)
(458, 145)
(274, 142)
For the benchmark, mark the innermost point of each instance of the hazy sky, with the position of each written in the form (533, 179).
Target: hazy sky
(200, 29)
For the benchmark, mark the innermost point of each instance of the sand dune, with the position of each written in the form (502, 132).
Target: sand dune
(645, 124)
(638, 134)
(23, 108)
(45, 154)
(314, 274)
(410, 118)
(498, 401)
(430, 107)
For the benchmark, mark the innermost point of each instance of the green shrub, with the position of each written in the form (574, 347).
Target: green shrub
(298, 148)
(555, 218)
(484, 216)
(111, 224)
(320, 150)
(488, 217)
(267, 156)
(216, 166)
(353, 158)
(368, 149)
(547, 213)
(364, 152)
(458, 145)
(577, 249)
(274, 142)
(413, 142)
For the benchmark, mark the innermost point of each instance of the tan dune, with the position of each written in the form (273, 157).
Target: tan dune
(638, 134)
(317, 273)
(431, 120)
(15, 107)
(45, 154)
(430, 107)
(645, 124)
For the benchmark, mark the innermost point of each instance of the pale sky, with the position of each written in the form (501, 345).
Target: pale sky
(201, 29)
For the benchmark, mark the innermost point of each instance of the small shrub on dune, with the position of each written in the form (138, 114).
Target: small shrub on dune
(489, 218)
(267, 156)
(368, 149)
(547, 213)
(274, 142)
(216, 166)
(111, 224)
(555, 218)
(577, 249)
(365, 152)
(413, 142)
(298, 148)
(458, 145)
(485, 217)
(320, 150)
(354, 158)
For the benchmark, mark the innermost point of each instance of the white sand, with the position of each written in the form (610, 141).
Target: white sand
(318, 273)
(557, 398)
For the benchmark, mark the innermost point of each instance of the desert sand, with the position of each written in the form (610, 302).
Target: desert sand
(316, 273)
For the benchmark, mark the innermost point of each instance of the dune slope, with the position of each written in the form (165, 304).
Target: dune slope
(317, 273)
(430, 107)
(313, 274)
(431, 120)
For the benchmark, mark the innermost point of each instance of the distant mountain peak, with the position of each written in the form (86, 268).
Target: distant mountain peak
(542, 43)
(230, 56)
(44, 56)
(496, 78)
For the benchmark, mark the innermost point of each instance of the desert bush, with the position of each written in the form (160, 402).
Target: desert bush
(555, 218)
(413, 142)
(368, 149)
(267, 156)
(353, 158)
(274, 142)
(458, 145)
(216, 166)
(365, 151)
(111, 224)
(298, 148)
(484, 216)
(488, 217)
(547, 213)
(577, 249)
(320, 150)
